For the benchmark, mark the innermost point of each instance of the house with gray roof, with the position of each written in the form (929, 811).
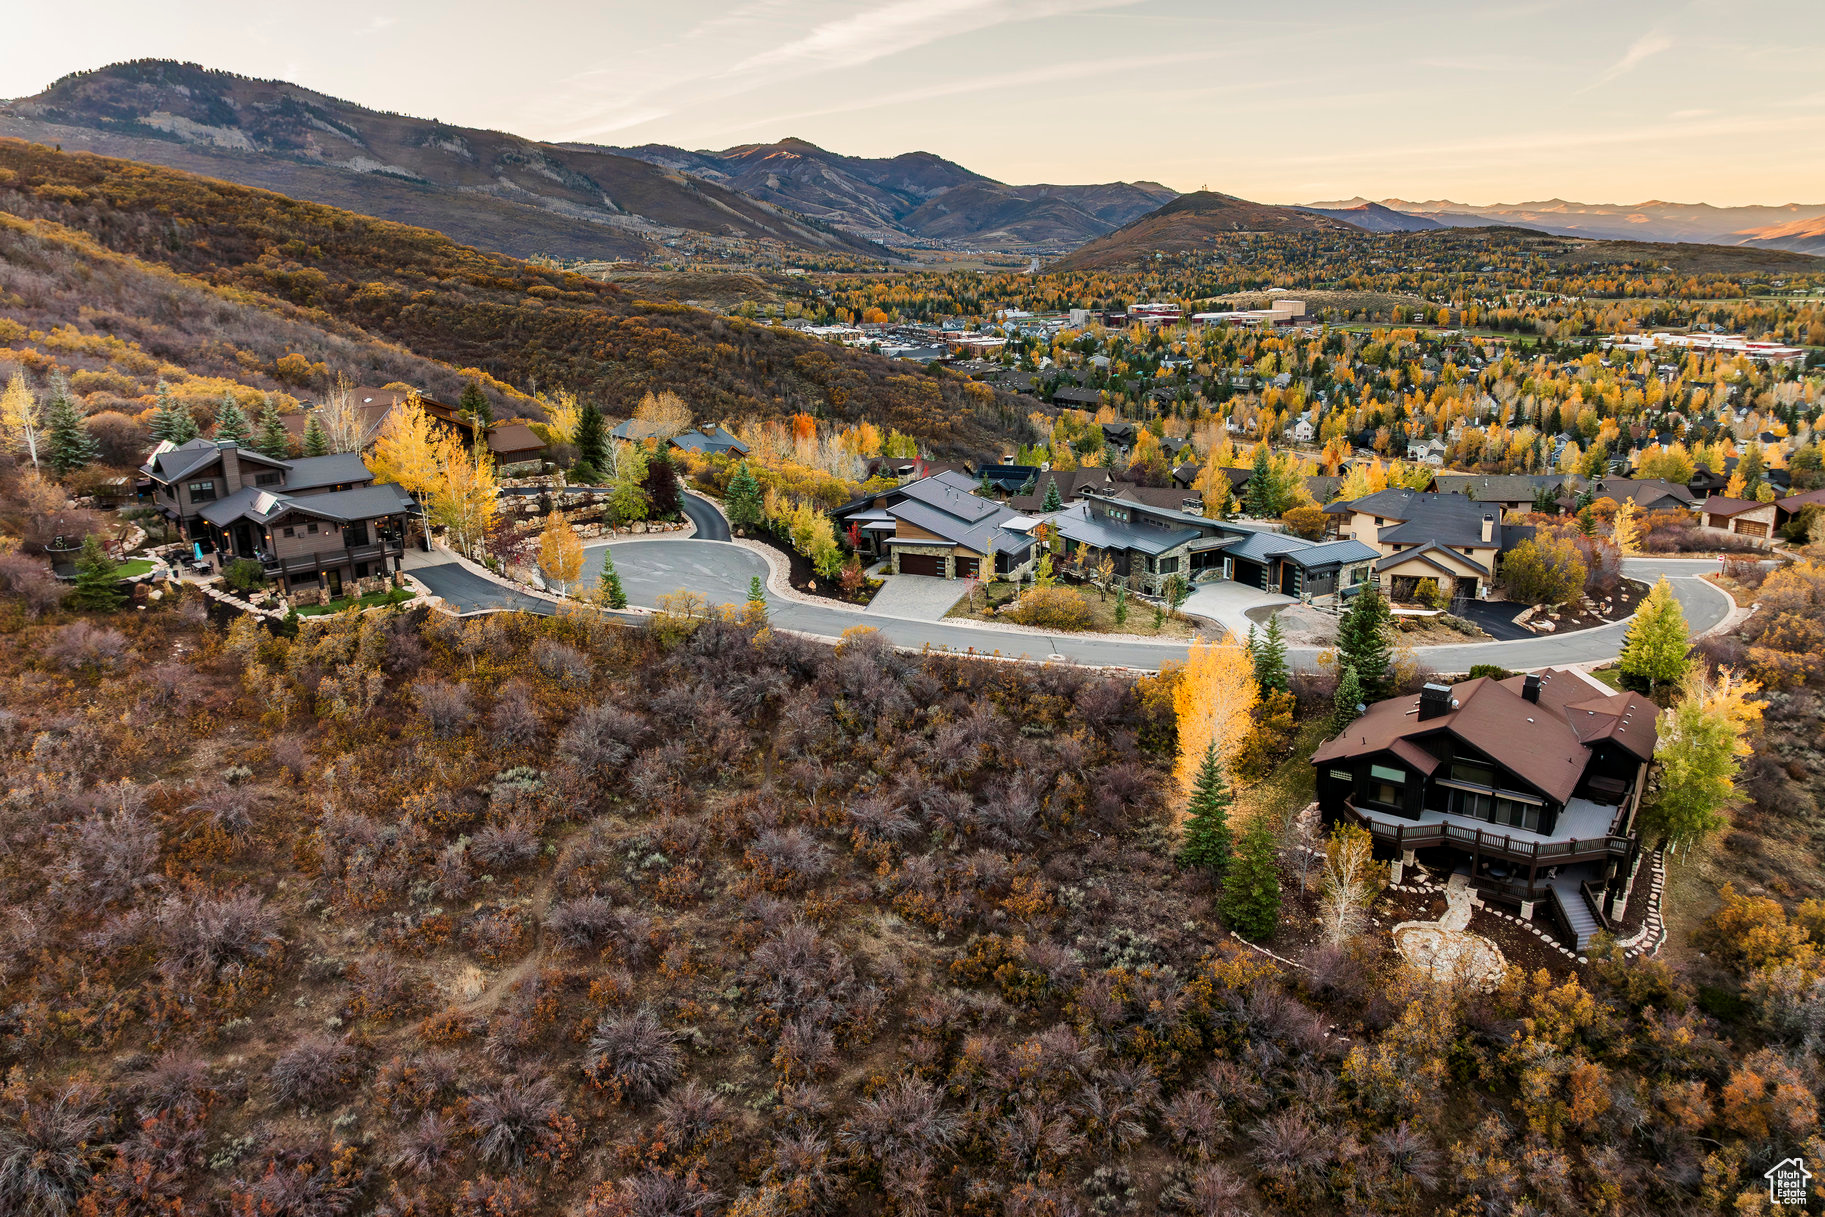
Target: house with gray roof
(939, 526)
(1148, 545)
(1511, 491)
(312, 522)
(1450, 538)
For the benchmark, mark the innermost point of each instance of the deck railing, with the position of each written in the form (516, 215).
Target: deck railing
(1495, 844)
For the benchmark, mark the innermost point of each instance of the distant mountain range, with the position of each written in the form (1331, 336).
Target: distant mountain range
(1792, 226)
(915, 195)
(522, 197)
(483, 188)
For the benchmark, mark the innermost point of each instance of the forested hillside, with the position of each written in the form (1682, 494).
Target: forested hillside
(534, 328)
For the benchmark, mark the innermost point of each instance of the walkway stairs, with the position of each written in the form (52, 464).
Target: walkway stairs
(1575, 911)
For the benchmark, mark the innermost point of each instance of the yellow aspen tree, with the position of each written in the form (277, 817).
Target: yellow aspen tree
(19, 423)
(406, 450)
(560, 552)
(562, 417)
(1626, 531)
(465, 496)
(1214, 697)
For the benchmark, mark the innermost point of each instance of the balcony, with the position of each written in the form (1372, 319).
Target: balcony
(329, 559)
(1586, 832)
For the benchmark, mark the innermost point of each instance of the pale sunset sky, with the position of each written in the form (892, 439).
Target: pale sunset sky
(1594, 100)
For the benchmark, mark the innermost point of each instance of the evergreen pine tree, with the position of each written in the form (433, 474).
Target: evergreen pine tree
(1346, 700)
(1270, 659)
(97, 583)
(474, 403)
(1053, 501)
(231, 421)
(272, 439)
(1121, 604)
(1655, 652)
(592, 446)
(171, 419)
(661, 485)
(755, 611)
(1362, 643)
(611, 583)
(1259, 491)
(743, 500)
(1206, 840)
(1250, 903)
(316, 443)
(68, 444)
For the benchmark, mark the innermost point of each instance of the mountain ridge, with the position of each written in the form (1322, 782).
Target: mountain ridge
(892, 194)
(485, 188)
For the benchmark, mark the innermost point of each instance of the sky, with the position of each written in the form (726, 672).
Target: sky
(1599, 101)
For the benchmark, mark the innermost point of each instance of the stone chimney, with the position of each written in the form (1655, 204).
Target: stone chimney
(231, 466)
(1488, 529)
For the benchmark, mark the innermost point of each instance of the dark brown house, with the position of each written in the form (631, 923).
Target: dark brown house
(312, 522)
(1528, 786)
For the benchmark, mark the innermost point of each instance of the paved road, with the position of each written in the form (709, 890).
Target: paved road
(468, 592)
(710, 524)
(720, 572)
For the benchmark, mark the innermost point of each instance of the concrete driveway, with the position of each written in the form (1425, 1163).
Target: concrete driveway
(1228, 604)
(468, 592)
(916, 597)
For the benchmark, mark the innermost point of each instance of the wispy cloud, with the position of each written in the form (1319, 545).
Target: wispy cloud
(1640, 51)
(834, 40)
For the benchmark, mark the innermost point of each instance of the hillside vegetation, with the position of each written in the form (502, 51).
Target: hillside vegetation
(533, 328)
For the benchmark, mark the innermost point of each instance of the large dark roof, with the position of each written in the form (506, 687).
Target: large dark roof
(309, 472)
(1424, 516)
(1545, 744)
(170, 464)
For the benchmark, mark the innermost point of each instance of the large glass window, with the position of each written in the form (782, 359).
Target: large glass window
(1473, 772)
(202, 492)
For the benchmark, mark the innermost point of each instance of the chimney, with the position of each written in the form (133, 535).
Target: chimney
(1530, 688)
(1488, 529)
(231, 466)
(1434, 700)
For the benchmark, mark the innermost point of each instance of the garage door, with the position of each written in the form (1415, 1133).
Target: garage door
(1247, 573)
(919, 564)
(967, 568)
(1751, 528)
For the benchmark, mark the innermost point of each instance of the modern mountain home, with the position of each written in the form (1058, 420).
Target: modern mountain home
(312, 522)
(939, 526)
(1529, 786)
(1451, 538)
(1149, 545)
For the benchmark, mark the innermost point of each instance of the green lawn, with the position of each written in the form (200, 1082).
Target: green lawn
(134, 566)
(398, 595)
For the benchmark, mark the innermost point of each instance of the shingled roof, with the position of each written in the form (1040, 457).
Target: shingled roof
(1546, 743)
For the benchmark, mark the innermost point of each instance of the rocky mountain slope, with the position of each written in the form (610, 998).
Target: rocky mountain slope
(1779, 227)
(483, 188)
(916, 194)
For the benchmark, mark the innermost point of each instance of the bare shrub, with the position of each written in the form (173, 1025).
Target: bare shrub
(313, 1073)
(109, 859)
(200, 934)
(692, 1118)
(84, 646)
(505, 846)
(790, 860)
(634, 1057)
(563, 664)
(229, 808)
(514, 722)
(176, 1084)
(650, 1194)
(902, 1129)
(508, 1120)
(580, 924)
(600, 740)
(45, 1156)
(29, 580)
(444, 706)
(299, 1182)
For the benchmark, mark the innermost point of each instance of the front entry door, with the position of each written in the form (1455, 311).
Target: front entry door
(334, 578)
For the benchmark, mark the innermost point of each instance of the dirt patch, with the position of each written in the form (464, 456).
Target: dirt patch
(1437, 631)
(1587, 614)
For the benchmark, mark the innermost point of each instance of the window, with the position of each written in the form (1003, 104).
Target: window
(311, 529)
(1169, 566)
(288, 531)
(202, 492)
(1385, 785)
(1342, 775)
(1473, 772)
(268, 479)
